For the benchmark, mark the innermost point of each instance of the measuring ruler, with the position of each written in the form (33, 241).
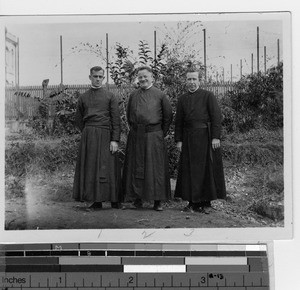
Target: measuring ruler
(134, 266)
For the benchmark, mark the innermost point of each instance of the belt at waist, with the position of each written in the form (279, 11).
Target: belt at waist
(148, 128)
(97, 126)
(195, 125)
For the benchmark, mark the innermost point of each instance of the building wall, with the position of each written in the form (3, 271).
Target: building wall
(11, 59)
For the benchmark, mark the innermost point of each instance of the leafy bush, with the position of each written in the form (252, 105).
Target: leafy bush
(173, 155)
(61, 110)
(256, 102)
(65, 110)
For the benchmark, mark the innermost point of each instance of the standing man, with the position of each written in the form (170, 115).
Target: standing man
(146, 168)
(197, 136)
(98, 172)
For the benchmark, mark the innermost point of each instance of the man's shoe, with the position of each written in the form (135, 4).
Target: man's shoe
(202, 209)
(138, 203)
(189, 208)
(157, 205)
(96, 205)
(199, 209)
(117, 205)
(205, 203)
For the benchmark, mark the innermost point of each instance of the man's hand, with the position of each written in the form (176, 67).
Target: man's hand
(179, 146)
(113, 146)
(215, 143)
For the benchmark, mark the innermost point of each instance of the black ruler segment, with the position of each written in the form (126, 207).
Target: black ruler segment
(120, 253)
(64, 253)
(92, 253)
(149, 253)
(219, 254)
(256, 253)
(31, 253)
(28, 261)
(32, 268)
(14, 254)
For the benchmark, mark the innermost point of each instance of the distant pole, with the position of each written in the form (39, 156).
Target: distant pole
(154, 46)
(278, 54)
(251, 63)
(61, 61)
(241, 68)
(223, 75)
(18, 62)
(257, 49)
(107, 62)
(205, 71)
(265, 59)
(231, 73)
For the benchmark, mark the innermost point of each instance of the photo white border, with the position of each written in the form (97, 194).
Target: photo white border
(168, 235)
(287, 252)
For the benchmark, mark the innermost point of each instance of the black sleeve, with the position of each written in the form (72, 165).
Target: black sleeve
(79, 114)
(115, 118)
(215, 116)
(179, 119)
(167, 114)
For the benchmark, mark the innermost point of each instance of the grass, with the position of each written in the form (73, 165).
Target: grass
(253, 170)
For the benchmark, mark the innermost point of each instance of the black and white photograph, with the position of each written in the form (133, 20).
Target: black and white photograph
(155, 123)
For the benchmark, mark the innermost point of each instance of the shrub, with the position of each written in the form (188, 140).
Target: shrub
(62, 109)
(257, 146)
(173, 155)
(256, 102)
(14, 187)
(268, 201)
(44, 154)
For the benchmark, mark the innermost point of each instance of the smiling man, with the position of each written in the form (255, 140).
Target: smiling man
(149, 115)
(197, 136)
(98, 172)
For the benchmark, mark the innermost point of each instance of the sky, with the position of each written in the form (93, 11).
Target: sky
(229, 39)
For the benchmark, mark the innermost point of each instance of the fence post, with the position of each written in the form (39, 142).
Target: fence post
(49, 102)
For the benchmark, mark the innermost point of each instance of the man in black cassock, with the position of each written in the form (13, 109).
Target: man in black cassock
(98, 172)
(146, 167)
(197, 136)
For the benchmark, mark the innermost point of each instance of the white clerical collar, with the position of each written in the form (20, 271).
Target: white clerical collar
(148, 87)
(96, 87)
(193, 91)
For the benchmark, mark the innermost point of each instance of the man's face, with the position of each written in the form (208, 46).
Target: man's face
(97, 78)
(144, 78)
(192, 81)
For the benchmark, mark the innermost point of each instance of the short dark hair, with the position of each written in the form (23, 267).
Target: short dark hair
(144, 67)
(96, 68)
(193, 70)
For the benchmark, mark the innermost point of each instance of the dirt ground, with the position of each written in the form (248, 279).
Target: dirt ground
(40, 211)
(71, 215)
